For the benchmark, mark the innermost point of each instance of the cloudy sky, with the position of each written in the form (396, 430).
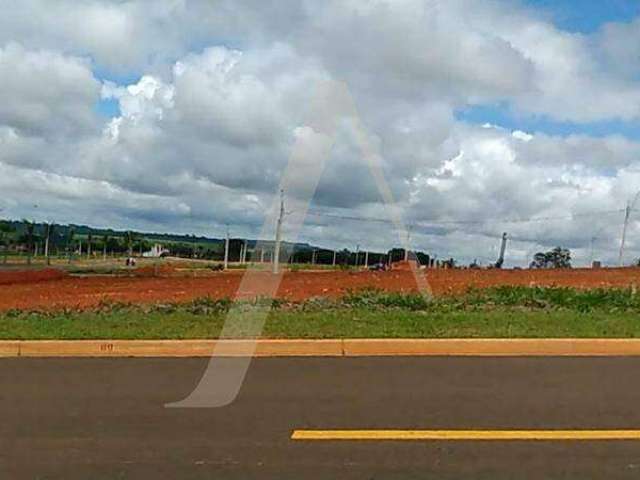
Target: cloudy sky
(181, 115)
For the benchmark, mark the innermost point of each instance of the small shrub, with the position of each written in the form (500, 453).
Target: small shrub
(108, 306)
(208, 306)
(378, 298)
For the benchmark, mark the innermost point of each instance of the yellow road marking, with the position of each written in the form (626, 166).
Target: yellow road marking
(466, 435)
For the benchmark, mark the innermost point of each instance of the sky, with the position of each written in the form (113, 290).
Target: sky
(487, 116)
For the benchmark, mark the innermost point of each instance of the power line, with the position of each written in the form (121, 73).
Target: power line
(419, 225)
(468, 222)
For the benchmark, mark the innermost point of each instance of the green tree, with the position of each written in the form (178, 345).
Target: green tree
(5, 238)
(29, 238)
(130, 239)
(105, 243)
(89, 244)
(539, 260)
(70, 238)
(49, 231)
(557, 258)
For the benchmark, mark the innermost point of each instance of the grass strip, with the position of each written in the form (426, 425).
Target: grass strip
(504, 312)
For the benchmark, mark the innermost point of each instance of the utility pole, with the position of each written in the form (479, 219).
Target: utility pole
(46, 241)
(276, 252)
(366, 259)
(335, 253)
(313, 256)
(627, 214)
(226, 251)
(406, 249)
(357, 254)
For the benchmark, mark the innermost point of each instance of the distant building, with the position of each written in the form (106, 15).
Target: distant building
(157, 251)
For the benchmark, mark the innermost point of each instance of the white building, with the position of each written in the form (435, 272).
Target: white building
(156, 252)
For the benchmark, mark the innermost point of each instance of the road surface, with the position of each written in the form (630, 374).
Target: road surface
(98, 419)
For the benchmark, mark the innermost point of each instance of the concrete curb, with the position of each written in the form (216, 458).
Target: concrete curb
(324, 348)
(177, 348)
(494, 347)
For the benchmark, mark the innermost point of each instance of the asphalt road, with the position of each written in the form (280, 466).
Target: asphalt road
(105, 419)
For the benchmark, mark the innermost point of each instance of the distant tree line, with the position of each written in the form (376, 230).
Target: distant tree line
(28, 239)
(51, 240)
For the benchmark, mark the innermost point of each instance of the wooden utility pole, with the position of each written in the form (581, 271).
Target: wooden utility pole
(335, 254)
(276, 251)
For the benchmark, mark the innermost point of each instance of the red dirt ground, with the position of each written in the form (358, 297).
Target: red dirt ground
(88, 292)
(13, 277)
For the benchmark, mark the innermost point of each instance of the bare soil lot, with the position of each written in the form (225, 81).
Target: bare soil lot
(46, 291)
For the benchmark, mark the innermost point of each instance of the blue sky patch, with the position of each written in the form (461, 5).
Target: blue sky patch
(501, 115)
(108, 108)
(587, 16)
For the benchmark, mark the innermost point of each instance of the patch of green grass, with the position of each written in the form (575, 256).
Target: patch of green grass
(505, 312)
(376, 298)
(569, 298)
(338, 323)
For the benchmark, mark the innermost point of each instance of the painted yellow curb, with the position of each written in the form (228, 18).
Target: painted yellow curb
(464, 435)
(179, 348)
(9, 349)
(493, 347)
(324, 348)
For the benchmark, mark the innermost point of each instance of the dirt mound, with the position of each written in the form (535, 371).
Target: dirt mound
(15, 277)
(405, 266)
(155, 271)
